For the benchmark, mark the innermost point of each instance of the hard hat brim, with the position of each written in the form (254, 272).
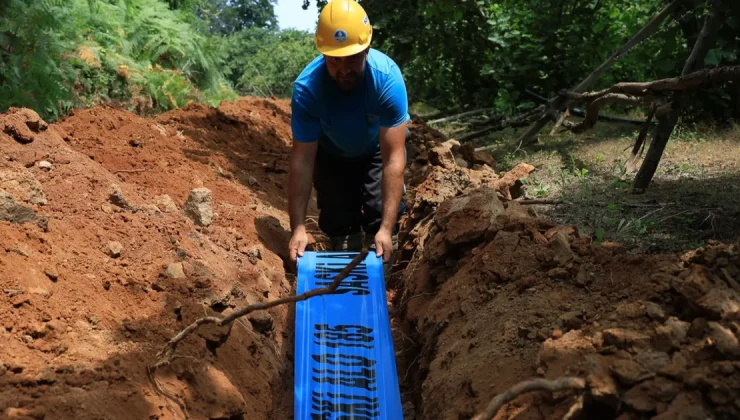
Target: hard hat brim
(345, 51)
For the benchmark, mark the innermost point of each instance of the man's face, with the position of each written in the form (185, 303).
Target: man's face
(347, 71)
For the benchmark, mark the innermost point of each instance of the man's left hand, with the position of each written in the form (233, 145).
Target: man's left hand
(383, 245)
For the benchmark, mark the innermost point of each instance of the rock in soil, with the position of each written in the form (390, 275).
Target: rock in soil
(20, 183)
(175, 271)
(166, 204)
(113, 249)
(22, 124)
(116, 197)
(261, 321)
(629, 372)
(724, 339)
(13, 211)
(199, 206)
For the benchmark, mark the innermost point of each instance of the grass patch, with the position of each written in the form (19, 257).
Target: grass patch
(694, 197)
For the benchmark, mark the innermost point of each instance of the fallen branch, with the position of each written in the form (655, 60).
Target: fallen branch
(561, 384)
(593, 109)
(129, 171)
(541, 202)
(166, 355)
(501, 123)
(559, 102)
(706, 77)
(460, 116)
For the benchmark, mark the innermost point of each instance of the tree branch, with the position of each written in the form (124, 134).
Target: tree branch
(556, 104)
(167, 354)
(707, 77)
(460, 116)
(561, 384)
(593, 109)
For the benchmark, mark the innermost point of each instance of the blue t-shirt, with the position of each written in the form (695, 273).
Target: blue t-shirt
(350, 122)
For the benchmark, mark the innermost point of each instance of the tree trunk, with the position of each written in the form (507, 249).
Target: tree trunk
(667, 123)
(646, 32)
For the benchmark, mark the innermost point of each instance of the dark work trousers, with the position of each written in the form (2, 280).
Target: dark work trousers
(349, 194)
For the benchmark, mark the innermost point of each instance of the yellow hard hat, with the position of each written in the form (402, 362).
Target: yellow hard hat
(344, 29)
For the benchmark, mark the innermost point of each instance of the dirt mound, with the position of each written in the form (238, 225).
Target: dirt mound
(116, 232)
(493, 295)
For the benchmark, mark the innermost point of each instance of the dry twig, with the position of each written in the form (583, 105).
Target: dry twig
(128, 171)
(166, 355)
(532, 385)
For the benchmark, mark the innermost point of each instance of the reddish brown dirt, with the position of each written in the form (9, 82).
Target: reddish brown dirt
(76, 345)
(484, 293)
(489, 295)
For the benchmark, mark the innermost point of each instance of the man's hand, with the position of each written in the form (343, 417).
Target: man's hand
(383, 245)
(297, 245)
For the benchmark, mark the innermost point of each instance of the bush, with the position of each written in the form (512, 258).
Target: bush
(59, 54)
(265, 63)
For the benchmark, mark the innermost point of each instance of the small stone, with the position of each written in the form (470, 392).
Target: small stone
(571, 320)
(175, 271)
(720, 303)
(621, 337)
(252, 181)
(652, 360)
(113, 249)
(671, 335)
(654, 311)
(645, 397)
(106, 285)
(46, 376)
(116, 197)
(261, 321)
(199, 206)
(409, 412)
(166, 203)
(540, 371)
(724, 339)
(43, 222)
(630, 310)
(151, 210)
(157, 287)
(52, 273)
(18, 300)
(255, 253)
(560, 247)
(558, 273)
(14, 212)
(604, 389)
(557, 334)
(720, 395)
(629, 372)
(44, 164)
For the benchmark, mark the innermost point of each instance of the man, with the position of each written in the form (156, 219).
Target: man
(349, 117)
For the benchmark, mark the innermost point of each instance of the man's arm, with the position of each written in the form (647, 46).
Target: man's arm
(392, 148)
(300, 181)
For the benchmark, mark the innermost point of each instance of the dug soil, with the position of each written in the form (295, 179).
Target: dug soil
(117, 231)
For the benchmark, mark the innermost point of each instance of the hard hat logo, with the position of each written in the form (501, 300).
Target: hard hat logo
(340, 36)
(344, 29)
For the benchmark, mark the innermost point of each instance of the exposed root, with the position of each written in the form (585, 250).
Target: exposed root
(167, 354)
(560, 384)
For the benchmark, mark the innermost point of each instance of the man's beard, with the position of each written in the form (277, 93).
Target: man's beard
(349, 82)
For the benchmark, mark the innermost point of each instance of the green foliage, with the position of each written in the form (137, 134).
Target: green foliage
(57, 54)
(265, 63)
(489, 52)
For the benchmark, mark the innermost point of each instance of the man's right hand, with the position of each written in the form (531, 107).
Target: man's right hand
(298, 243)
